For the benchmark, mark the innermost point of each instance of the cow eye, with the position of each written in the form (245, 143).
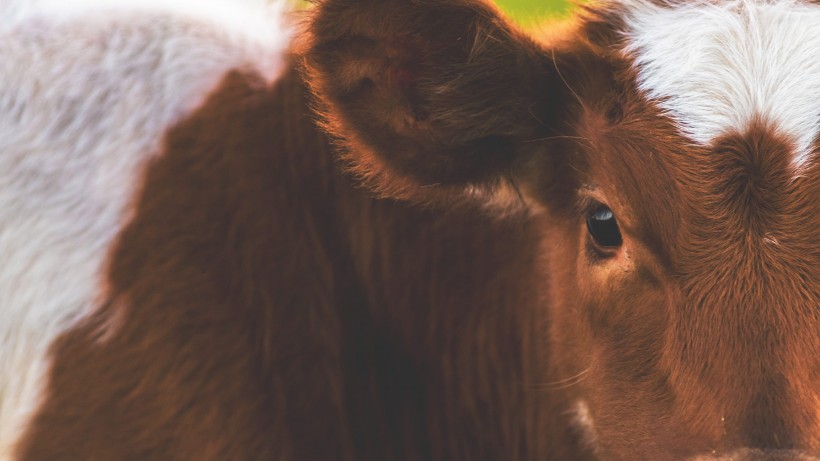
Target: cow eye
(603, 227)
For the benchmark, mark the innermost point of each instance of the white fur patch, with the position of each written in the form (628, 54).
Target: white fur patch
(716, 65)
(87, 89)
(582, 421)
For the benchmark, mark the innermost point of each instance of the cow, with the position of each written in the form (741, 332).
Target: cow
(409, 230)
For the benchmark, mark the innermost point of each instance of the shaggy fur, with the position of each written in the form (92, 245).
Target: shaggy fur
(694, 122)
(258, 303)
(86, 91)
(717, 67)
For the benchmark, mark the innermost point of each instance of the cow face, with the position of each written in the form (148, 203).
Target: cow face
(668, 151)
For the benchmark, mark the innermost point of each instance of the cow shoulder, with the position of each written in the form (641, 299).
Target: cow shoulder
(87, 90)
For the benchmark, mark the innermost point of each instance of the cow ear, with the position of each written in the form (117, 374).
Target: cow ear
(428, 95)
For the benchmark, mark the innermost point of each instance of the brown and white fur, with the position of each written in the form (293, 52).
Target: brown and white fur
(190, 267)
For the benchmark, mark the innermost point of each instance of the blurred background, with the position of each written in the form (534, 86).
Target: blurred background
(526, 12)
(530, 11)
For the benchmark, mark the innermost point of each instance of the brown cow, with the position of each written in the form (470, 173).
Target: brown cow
(595, 244)
(669, 149)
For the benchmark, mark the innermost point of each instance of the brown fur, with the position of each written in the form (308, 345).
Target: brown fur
(699, 335)
(264, 308)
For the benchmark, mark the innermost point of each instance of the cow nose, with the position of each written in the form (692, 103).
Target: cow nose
(762, 455)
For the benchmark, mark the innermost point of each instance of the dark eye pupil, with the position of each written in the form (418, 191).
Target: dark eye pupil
(604, 228)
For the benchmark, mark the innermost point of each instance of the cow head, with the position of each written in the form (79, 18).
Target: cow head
(668, 149)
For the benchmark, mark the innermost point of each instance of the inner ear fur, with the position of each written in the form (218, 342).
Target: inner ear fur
(423, 93)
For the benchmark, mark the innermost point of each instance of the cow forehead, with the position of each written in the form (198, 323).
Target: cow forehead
(715, 67)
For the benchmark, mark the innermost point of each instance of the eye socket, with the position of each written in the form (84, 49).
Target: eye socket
(603, 227)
